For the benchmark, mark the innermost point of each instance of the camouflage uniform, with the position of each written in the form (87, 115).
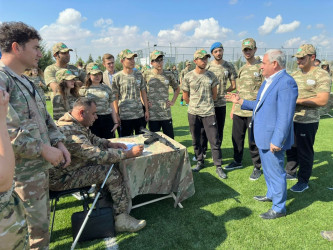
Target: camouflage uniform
(306, 122)
(13, 226)
(158, 95)
(91, 160)
(30, 126)
(60, 106)
(176, 74)
(248, 84)
(201, 111)
(51, 70)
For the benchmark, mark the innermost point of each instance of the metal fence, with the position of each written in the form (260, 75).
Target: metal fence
(175, 55)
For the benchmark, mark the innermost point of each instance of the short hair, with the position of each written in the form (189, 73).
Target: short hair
(317, 60)
(83, 102)
(107, 57)
(276, 55)
(19, 32)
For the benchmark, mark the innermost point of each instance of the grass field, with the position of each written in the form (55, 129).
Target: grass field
(223, 214)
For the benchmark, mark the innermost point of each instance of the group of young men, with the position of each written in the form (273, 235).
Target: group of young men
(39, 145)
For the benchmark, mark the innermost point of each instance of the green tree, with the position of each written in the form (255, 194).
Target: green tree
(90, 59)
(79, 60)
(47, 58)
(239, 63)
(117, 65)
(99, 62)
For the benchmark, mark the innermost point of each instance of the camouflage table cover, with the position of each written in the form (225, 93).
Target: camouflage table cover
(159, 170)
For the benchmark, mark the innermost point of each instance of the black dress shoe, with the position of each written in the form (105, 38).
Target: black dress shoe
(200, 165)
(262, 198)
(221, 173)
(271, 214)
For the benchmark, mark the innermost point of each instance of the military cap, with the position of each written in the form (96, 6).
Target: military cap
(305, 49)
(188, 63)
(323, 63)
(155, 54)
(126, 53)
(92, 68)
(200, 53)
(215, 46)
(248, 43)
(60, 47)
(64, 74)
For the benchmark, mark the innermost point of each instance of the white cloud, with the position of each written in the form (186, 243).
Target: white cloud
(320, 26)
(283, 28)
(243, 33)
(249, 17)
(293, 42)
(232, 2)
(269, 25)
(103, 22)
(70, 17)
(309, 26)
(320, 40)
(188, 25)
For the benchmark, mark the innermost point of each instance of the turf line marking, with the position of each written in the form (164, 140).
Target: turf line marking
(111, 243)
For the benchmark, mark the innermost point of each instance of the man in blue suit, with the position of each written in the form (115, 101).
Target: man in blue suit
(272, 127)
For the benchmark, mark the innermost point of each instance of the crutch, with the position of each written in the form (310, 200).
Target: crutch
(90, 210)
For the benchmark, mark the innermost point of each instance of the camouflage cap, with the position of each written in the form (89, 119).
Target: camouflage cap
(60, 47)
(64, 74)
(323, 63)
(305, 49)
(188, 63)
(249, 43)
(200, 53)
(92, 68)
(155, 54)
(126, 53)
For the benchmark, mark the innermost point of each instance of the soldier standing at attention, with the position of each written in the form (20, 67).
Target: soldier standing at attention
(200, 91)
(129, 87)
(61, 54)
(181, 77)
(314, 86)
(94, 88)
(36, 141)
(13, 226)
(248, 85)
(158, 82)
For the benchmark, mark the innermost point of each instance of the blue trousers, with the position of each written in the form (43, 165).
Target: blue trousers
(275, 176)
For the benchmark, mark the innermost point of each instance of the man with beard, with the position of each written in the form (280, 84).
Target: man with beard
(61, 54)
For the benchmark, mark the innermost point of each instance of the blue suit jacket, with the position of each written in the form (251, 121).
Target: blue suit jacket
(273, 120)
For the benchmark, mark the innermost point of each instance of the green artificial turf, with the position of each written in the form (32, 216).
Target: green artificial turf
(223, 214)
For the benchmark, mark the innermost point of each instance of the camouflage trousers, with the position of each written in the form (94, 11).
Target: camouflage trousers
(34, 193)
(13, 226)
(88, 175)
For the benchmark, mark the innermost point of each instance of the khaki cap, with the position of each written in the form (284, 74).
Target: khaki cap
(200, 53)
(305, 49)
(60, 47)
(126, 53)
(92, 68)
(249, 43)
(155, 54)
(324, 63)
(64, 74)
(188, 63)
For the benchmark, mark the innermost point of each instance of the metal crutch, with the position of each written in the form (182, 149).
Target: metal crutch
(90, 210)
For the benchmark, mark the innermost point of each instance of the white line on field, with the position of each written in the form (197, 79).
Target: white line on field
(111, 243)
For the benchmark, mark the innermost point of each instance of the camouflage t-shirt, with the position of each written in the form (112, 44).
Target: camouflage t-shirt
(102, 95)
(183, 73)
(309, 85)
(223, 72)
(13, 228)
(51, 70)
(60, 107)
(158, 93)
(248, 84)
(128, 87)
(199, 88)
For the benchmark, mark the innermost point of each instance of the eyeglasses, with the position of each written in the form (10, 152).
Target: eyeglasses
(158, 60)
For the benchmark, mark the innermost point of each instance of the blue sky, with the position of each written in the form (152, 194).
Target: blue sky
(98, 27)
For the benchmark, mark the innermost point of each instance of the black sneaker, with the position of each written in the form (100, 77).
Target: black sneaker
(233, 165)
(221, 173)
(299, 187)
(200, 165)
(290, 177)
(255, 174)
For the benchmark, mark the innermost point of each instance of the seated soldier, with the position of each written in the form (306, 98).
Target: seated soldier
(91, 160)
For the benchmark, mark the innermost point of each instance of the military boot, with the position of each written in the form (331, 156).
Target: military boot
(126, 223)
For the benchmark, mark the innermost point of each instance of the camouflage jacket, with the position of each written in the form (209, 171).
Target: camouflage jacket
(102, 95)
(309, 85)
(13, 227)
(248, 84)
(85, 149)
(60, 106)
(51, 70)
(199, 88)
(223, 72)
(158, 93)
(183, 73)
(127, 88)
(29, 126)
